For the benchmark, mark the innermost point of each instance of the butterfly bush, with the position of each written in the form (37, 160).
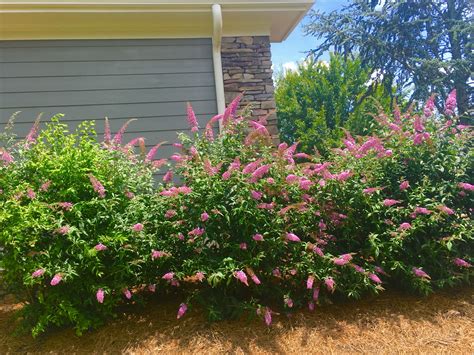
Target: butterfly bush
(283, 228)
(235, 224)
(68, 221)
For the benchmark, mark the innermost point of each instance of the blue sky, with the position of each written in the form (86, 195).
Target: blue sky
(295, 46)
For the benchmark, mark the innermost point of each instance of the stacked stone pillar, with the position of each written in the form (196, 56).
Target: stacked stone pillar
(247, 69)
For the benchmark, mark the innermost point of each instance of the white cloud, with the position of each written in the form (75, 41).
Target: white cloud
(290, 66)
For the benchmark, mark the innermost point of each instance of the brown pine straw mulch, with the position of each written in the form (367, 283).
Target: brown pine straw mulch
(391, 323)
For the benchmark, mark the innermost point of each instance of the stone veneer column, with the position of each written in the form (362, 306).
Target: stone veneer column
(247, 69)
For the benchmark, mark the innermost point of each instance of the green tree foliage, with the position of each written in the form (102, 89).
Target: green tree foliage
(316, 101)
(424, 46)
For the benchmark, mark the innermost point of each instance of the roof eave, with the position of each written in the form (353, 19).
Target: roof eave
(32, 19)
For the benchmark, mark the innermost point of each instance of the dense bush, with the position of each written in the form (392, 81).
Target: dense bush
(319, 99)
(67, 208)
(249, 227)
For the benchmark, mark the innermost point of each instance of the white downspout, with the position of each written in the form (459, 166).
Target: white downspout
(216, 55)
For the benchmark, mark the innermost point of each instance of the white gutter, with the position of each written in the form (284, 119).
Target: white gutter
(216, 55)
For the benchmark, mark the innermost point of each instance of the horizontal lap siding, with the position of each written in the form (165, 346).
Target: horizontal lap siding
(151, 80)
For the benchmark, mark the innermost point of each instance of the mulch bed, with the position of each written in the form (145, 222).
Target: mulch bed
(391, 323)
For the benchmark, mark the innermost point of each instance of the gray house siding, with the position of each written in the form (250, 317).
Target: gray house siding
(151, 80)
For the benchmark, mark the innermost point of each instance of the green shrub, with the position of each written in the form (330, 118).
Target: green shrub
(319, 99)
(67, 208)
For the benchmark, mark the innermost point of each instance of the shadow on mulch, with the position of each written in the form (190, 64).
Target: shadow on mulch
(391, 323)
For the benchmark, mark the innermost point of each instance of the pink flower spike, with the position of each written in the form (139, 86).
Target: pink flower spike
(6, 157)
(168, 276)
(288, 302)
(422, 210)
(255, 279)
(292, 237)
(127, 294)
(305, 184)
(182, 310)
(234, 105)
(258, 238)
(97, 186)
(260, 172)
(389, 202)
(64, 230)
(266, 206)
(330, 284)
(157, 164)
(276, 272)
(347, 257)
(311, 306)
(268, 316)
(375, 278)
(45, 186)
(418, 124)
(56, 279)
(133, 142)
(466, 186)
(37, 273)
(243, 246)
(151, 154)
(118, 136)
(404, 226)
(379, 270)
(251, 167)
(137, 227)
(450, 104)
(291, 178)
(185, 190)
(318, 251)
(196, 232)
(226, 175)
(340, 261)
(310, 282)
(100, 247)
(241, 276)
(156, 254)
(316, 294)
(404, 185)
(420, 273)
(100, 295)
(461, 263)
(256, 195)
(204, 217)
(302, 156)
(429, 107)
(170, 214)
(446, 210)
(200, 276)
(370, 190)
(343, 176)
(192, 120)
(358, 268)
(168, 177)
(31, 194)
(67, 206)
